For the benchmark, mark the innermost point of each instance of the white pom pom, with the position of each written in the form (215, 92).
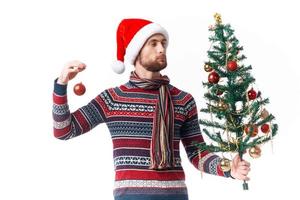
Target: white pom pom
(118, 67)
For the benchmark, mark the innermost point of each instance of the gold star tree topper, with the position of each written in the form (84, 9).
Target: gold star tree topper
(218, 18)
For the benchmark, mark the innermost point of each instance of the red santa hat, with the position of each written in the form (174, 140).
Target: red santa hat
(131, 37)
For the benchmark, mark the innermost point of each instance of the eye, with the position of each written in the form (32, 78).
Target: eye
(153, 44)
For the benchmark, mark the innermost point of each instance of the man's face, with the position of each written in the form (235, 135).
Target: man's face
(153, 54)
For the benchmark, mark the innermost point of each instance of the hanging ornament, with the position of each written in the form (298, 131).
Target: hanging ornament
(251, 129)
(255, 152)
(251, 94)
(222, 106)
(219, 92)
(213, 77)
(79, 89)
(225, 164)
(264, 114)
(231, 65)
(207, 68)
(265, 128)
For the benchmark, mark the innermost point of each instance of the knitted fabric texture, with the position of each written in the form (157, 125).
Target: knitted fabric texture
(128, 112)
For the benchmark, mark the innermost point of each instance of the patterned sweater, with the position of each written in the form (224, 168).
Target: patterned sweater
(128, 113)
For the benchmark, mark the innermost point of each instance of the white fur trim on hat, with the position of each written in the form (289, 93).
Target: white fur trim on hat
(139, 39)
(118, 67)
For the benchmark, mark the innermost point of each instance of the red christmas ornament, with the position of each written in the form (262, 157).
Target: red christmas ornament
(251, 129)
(219, 92)
(79, 89)
(252, 94)
(265, 128)
(213, 77)
(231, 66)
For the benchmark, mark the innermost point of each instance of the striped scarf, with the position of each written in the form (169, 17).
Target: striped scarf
(162, 153)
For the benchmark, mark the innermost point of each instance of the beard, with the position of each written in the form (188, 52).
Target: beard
(153, 66)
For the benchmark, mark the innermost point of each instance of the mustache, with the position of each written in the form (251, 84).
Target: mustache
(161, 57)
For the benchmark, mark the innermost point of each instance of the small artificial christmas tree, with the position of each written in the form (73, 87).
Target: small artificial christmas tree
(238, 118)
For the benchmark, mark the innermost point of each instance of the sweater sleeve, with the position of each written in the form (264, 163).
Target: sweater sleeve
(190, 132)
(67, 125)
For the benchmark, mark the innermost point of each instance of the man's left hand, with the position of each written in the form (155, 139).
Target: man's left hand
(240, 169)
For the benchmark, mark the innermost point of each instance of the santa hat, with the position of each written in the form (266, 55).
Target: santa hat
(131, 37)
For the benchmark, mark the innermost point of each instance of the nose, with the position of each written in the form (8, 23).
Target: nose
(161, 48)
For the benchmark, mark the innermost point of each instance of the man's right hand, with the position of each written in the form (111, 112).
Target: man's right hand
(70, 70)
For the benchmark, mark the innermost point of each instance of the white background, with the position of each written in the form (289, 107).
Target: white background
(38, 37)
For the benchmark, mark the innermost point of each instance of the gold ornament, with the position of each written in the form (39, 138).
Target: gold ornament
(222, 106)
(255, 152)
(225, 164)
(218, 18)
(264, 114)
(208, 68)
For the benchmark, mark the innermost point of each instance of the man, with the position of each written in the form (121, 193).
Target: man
(147, 118)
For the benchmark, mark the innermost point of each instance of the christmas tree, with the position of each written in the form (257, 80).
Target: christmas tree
(238, 119)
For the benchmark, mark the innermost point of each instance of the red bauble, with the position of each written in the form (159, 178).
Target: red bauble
(219, 92)
(251, 129)
(252, 94)
(79, 89)
(231, 66)
(265, 128)
(213, 77)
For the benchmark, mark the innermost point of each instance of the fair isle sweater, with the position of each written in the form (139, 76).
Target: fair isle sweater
(128, 113)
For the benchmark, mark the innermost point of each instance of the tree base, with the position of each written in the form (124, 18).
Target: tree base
(245, 185)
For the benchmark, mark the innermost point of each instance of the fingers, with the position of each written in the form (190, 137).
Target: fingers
(244, 168)
(70, 71)
(244, 163)
(240, 168)
(242, 171)
(81, 67)
(75, 66)
(241, 175)
(236, 160)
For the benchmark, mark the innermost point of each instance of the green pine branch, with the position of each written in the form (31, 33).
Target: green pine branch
(262, 139)
(211, 124)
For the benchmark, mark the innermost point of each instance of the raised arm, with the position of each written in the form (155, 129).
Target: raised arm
(67, 125)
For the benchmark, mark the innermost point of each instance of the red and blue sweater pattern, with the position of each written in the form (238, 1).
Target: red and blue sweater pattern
(128, 113)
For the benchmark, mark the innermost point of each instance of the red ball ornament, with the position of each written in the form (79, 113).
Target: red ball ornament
(213, 77)
(79, 89)
(251, 129)
(231, 66)
(265, 128)
(252, 94)
(219, 92)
